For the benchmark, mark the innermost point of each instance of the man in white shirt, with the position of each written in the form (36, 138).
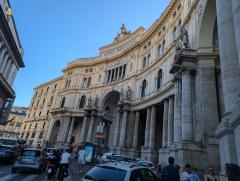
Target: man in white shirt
(187, 174)
(65, 161)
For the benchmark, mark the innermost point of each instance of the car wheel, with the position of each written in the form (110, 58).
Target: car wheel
(14, 170)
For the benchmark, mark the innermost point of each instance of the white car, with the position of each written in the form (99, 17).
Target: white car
(106, 157)
(120, 171)
(148, 164)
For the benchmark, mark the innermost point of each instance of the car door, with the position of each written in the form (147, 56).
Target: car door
(143, 174)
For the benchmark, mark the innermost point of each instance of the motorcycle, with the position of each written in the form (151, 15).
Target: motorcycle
(52, 170)
(52, 167)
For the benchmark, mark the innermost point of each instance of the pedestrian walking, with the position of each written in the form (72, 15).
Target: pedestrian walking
(81, 159)
(195, 176)
(64, 163)
(232, 171)
(210, 175)
(187, 174)
(170, 172)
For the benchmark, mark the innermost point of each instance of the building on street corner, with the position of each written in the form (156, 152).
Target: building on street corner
(15, 122)
(11, 60)
(171, 90)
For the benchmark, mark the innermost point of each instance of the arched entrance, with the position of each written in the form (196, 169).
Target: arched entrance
(209, 78)
(54, 133)
(109, 109)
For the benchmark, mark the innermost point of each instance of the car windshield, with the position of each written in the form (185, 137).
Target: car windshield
(4, 148)
(30, 153)
(8, 142)
(120, 158)
(146, 164)
(106, 173)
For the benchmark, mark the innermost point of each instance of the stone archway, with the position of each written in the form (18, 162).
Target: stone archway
(54, 133)
(207, 26)
(109, 106)
(208, 78)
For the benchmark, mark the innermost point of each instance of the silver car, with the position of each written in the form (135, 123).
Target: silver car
(31, 159)
(120, 171)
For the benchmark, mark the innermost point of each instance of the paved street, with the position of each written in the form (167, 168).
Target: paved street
(5, 174)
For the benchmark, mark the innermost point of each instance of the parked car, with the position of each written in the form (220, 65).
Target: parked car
(120, 171)
(7, 153)
(119, 158)
(106, 157)
(31, 159)
(9, 141)
(148, 164)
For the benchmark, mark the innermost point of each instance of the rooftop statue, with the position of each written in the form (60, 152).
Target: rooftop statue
(123, 33)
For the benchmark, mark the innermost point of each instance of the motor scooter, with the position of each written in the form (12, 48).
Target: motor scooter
(52, 167)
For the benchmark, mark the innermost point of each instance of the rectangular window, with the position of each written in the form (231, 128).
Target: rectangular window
(159, 50)
(109, 75)
(33, 135)
(116, 74)
(112, 75)
(124, 70)
(120, 72)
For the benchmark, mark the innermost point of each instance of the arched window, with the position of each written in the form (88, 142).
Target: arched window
(89, 82)
(159, 50)
(82, 101)
(148, 59)
(163, 46)
(174, 33)
(159, 79)
(63, 102)
(144, 62)
(144, 88)
(85, 82)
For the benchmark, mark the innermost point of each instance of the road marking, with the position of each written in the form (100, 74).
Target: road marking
(8, 177)
(30, 177)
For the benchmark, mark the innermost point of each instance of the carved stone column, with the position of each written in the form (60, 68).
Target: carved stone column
(70, 130)
(116, 129)
(83, 129)
(228, 54)
(165, 124)
(177, 111)
(236, 20)
(123, 129)
(147, 128)
(187, 116)
(152, 128)
(90, 129)
(136, 129)
(170, 121)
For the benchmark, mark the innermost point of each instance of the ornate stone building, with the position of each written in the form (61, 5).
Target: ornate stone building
(170, 90)
(15, 122)
(10, 59)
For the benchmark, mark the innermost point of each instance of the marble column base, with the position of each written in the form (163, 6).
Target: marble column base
(186, 152)
(149, 154)
(163, 156)
(134, 153)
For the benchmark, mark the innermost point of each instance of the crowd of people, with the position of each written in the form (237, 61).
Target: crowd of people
(172, 172)
(62, 158)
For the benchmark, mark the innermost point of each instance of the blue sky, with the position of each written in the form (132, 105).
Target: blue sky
(55, 32)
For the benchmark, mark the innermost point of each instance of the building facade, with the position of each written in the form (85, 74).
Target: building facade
(15, 122)
(172, 90)
(11, 60)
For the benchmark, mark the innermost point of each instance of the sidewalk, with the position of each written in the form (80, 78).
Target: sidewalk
(73, 175)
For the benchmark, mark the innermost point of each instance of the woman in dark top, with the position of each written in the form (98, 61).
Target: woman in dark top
(210, 175)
